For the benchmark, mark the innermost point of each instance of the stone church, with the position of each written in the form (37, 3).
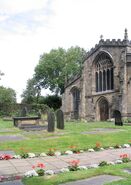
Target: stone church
(104, 85)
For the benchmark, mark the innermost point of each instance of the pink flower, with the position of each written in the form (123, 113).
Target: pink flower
(124, 156)
(40, 165)
(74, 162)
(6, 156)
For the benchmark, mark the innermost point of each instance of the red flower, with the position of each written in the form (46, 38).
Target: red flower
(72, 146)
(18, 177)
(74, 162)
(124, 156)
(33, 166)
(98, 144)
(40, 165)
(6, 157)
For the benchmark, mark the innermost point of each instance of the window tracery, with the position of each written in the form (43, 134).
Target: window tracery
(104, 73)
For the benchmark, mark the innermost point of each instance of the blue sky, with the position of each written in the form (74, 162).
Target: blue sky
(29, 28)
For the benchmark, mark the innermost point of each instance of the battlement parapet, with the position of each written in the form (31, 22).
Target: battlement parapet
(109, 43)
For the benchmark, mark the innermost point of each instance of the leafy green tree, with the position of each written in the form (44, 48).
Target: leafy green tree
(7, 95)
(31, 93)
(52, 101)
(57, 66)
(7, 101)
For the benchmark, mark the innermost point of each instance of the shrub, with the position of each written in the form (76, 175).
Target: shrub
(103, 163)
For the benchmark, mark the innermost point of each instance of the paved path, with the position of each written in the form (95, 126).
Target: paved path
(20, 166)
(17, 182)
(98, 180)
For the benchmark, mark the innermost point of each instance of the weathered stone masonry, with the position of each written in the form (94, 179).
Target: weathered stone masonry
(104, 85)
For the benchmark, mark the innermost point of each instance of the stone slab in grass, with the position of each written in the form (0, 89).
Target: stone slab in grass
(6, 130)
(102, 130)
(7, 152)
(98, 180)
(128, 170)
(17, 182)
(11, 138)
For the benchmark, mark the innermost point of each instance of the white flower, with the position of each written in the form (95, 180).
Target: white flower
(91, 150)
(111, 147)
(17, 157)
(81, 151)
(119, 161)
(31, 155)
(69, 152)
(126, 146)
(93, 166)
(110, 163)
(82, 167)
(43, 154)
(64, 170)
(102, 149)
(49, 172)
(31, 173)
(57, 153)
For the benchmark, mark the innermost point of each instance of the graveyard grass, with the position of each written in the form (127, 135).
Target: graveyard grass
(73, 134)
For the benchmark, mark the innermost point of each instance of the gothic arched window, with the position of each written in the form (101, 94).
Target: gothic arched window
(104, 74)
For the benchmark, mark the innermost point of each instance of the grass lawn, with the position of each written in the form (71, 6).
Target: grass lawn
(72, 176)
(41, 141)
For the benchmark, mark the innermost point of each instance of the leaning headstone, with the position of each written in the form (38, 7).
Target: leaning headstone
(118, 120)
(51, 122)
(60, 119)
(39, 114)
(24, 112)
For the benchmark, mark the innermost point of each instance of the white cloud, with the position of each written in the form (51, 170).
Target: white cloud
(19, 6)
(3, 17)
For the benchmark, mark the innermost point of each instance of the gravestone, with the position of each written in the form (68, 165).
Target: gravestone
(24, 112)
(60, 119)
(118, 120)
(39, 114)
(51, 122)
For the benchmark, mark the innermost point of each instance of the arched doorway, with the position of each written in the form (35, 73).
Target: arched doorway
(103, 109)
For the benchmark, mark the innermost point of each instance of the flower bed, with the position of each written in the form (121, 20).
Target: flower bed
(74, 166)
(53, 152)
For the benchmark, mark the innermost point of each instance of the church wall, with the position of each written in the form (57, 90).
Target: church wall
(114, 97)
(67, 100)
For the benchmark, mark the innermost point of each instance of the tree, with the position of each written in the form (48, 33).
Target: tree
(7, 95)
(31, 93)
(57, 66)
(52, 101)
(7, 101)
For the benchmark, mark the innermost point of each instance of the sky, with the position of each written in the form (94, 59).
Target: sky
(29, 28)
